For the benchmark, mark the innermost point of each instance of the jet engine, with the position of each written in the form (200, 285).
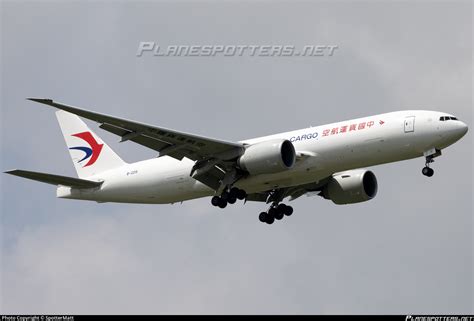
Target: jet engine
(352, 186)
(268, 157)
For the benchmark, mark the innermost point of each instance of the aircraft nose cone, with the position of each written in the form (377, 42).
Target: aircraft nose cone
(462, 129)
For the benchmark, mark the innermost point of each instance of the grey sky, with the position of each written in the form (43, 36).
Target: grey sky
(407, 251)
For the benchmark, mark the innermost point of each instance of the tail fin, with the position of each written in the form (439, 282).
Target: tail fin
(89, 153)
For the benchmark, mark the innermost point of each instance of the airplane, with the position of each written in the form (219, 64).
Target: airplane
(327, 160)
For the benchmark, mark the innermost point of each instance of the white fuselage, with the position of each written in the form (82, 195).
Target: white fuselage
(321, 151)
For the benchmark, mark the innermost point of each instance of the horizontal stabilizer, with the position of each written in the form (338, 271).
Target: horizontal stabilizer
(55, 179)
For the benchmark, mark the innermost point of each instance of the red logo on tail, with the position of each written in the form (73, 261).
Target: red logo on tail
(95, 148)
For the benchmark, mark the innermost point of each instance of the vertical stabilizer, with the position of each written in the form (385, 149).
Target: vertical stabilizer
(89, 153)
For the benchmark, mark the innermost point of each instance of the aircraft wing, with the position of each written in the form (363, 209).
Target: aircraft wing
(166, 141)
(212, 156)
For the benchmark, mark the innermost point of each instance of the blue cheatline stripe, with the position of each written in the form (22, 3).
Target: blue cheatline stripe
(86, 150)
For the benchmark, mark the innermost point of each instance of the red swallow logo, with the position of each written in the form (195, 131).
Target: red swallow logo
(93, 152)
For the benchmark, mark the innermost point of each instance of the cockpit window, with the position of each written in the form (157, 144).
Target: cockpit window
(445, 118)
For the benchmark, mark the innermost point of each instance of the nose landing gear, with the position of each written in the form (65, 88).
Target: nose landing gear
(429, 156)
(427, 170)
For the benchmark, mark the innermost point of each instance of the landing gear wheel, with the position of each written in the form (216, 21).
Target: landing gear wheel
(225, 196)
(262, 217)
(215, 200)
(241, 194)
(427, 171)
(231, 200)
(279, 215)
(430, 172)
(288, 210)
(222, 203)
(272, 211)
(233, 192)
(269, 219)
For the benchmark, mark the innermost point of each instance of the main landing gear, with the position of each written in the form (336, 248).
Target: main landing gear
(275, 212)
(427, 170)
(228, 197)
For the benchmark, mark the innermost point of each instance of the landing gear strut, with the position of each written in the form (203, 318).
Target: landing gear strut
(228, 197)
(427, 170)
(275, 212)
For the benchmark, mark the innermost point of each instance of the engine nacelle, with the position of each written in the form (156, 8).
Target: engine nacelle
(351, 187)
(268, 157)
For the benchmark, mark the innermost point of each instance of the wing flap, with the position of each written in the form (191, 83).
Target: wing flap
(55, 179)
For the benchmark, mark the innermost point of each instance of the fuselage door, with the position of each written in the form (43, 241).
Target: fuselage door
(410, 124)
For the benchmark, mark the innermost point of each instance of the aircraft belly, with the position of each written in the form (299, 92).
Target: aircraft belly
(157, 187)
